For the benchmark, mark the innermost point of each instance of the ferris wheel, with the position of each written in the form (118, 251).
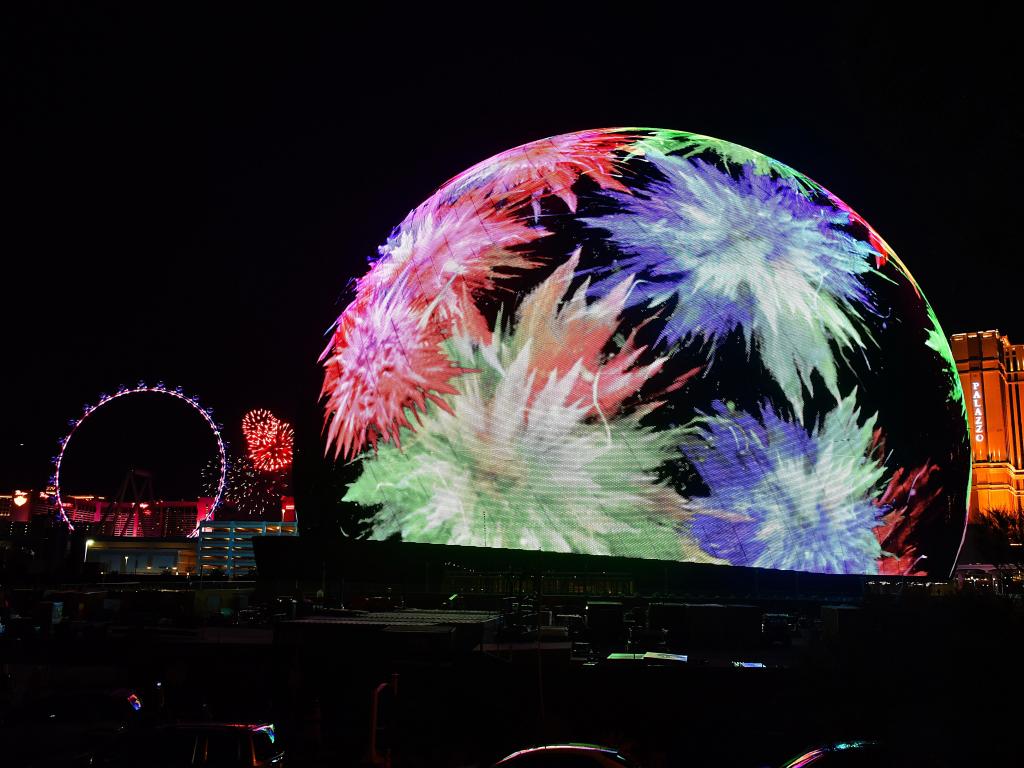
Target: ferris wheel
(143, 389)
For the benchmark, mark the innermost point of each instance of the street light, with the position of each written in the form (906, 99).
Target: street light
(88, 543)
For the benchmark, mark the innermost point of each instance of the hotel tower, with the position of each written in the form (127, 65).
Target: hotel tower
(992, 373)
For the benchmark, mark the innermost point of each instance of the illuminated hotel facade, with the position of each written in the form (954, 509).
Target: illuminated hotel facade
(992, 373)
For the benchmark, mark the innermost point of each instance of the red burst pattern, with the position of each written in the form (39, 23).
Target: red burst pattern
(909, 497)
(270, 441)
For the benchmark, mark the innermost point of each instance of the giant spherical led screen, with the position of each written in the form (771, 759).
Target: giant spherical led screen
(652, 344)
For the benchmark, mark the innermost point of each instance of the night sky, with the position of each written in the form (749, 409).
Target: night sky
(188, 196)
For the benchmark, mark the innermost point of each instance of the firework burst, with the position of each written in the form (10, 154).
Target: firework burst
(937, 342)
(390, 360)
(384, 357)
(518, 366)
(517, 459)
(794, 499)
(468, 241)
(547, 167)
(573, 336)
(751, 254)
(687, 145)
(249, 494)
(269, 440)
(909, 498)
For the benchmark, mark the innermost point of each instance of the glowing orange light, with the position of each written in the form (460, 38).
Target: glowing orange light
(20, 498)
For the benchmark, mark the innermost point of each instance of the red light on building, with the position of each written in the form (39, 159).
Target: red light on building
(203, 506)
(287, 509)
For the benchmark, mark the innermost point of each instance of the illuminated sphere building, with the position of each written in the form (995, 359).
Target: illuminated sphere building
(648, 343)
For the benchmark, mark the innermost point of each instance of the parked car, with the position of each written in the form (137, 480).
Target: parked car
(566, 756)
(68, 728)
(225, 745)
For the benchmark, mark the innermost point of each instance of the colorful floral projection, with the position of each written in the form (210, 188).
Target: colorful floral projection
(655, 344)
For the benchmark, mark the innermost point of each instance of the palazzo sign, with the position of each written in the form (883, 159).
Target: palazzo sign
(979, 416)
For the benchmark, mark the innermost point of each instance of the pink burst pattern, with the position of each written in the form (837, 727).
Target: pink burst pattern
(548, 167)
(383, 360)
(468, 241)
